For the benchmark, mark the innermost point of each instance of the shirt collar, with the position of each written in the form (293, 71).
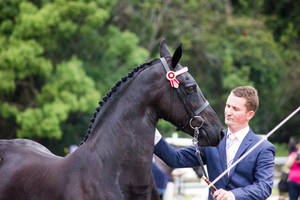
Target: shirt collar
(240, 134)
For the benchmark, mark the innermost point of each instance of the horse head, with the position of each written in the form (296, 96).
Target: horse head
(183, 103)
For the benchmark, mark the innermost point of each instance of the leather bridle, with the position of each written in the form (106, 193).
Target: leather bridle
(181, 94)
(193, 114)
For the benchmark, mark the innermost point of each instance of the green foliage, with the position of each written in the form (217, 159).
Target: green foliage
(42, 122)
(7, 111)
(281, 15)
(249, 8)
(248, 55)
(68, 90)
(281, 149)
(70, 85)
(165, 128)
(20, 60)
(121, 56)
(71, 24)
(53, 55)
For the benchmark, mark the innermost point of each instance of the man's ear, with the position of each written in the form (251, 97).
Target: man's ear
(250, 114)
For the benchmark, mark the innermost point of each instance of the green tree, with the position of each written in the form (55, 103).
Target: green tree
(248, 55)
(69, 90)
(281, 15)
(52, 56)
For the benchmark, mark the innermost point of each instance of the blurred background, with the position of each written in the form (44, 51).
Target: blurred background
(59, 57)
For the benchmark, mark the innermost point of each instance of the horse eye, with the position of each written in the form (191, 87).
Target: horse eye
(191, 89)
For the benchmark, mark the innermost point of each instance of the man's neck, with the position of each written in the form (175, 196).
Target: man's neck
(236, 129)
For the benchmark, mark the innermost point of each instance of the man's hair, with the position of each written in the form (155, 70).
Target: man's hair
(250, 94)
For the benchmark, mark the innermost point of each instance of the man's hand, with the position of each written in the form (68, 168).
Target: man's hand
(223, 195)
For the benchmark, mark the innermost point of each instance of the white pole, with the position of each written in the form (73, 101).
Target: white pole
(250, 150)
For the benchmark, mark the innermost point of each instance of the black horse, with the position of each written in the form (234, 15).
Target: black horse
(114, 161)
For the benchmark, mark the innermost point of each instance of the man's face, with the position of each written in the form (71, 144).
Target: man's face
(236, 114)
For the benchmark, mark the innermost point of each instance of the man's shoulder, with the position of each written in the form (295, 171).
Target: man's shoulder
(265, 144)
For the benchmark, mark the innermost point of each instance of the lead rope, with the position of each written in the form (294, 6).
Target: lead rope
(195, 141)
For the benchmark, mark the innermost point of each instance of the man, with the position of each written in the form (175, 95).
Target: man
(252, 178)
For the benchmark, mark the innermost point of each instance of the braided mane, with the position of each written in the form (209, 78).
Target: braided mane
(109, 94)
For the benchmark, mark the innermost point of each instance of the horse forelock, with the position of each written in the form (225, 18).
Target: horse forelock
(114, 89)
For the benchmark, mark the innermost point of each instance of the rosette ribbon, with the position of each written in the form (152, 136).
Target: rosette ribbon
(171, 76)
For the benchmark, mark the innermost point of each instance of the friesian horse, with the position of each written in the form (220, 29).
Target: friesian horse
(114, 160)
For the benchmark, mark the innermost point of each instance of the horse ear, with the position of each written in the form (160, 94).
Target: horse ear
(164, 51)
(177, 55)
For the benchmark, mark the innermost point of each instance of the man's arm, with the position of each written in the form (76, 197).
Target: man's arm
(261, 189)
(183, 157)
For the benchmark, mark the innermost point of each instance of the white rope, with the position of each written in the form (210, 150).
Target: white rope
(250, 150)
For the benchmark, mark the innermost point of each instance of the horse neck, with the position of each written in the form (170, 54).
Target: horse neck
(127, 122)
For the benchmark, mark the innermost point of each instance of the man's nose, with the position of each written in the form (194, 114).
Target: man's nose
(228, 111)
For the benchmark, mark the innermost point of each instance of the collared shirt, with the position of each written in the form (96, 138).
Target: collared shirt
(236, 140)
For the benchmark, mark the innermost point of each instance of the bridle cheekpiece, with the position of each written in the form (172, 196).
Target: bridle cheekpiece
(171, 76)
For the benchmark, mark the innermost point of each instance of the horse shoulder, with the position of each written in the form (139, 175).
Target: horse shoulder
(26, 167)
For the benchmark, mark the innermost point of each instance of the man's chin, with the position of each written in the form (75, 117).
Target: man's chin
(227, 122)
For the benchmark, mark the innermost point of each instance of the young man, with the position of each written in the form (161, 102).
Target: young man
(252, 178)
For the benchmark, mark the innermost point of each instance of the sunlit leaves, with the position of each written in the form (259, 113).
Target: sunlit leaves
(68, 90)
(20, 60)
